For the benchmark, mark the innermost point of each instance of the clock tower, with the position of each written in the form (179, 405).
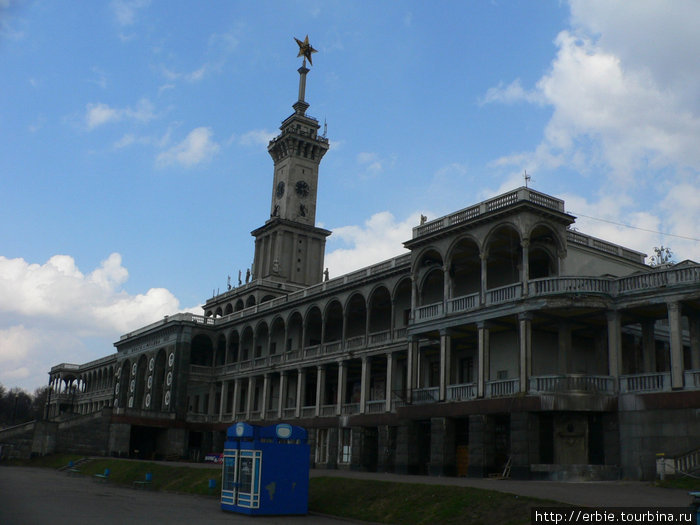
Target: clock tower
(289, 247)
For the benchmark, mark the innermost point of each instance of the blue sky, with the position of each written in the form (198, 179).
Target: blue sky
(134, 136)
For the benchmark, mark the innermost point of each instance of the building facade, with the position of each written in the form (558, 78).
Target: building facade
(504, 339)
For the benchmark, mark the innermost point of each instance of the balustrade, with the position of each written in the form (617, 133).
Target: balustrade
(656, 382)
(426, 395)
(461, 392)
(376, 406)
(502, 387)
(572, 383)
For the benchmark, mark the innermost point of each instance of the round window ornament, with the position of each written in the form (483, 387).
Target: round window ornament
(131, 402)
(150, 382)
(133, 369)
(132, 385)
(169, 379)
(167, 397)
(171, 358)
(148, 400)
(151, 364)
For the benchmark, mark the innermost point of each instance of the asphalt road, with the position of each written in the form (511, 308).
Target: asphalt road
(37, 496)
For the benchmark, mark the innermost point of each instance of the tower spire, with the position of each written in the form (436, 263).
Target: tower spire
(305, 50)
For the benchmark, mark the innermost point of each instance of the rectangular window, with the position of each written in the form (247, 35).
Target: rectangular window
(345, 449)
(273, 348)
(322, 445)
(502, 374)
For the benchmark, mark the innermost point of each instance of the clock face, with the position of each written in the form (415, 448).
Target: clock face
(302, 188)
(280, 189)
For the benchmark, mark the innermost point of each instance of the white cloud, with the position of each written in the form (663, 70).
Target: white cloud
(257, 137)
(125, 10)
(97, 114)
(53, 311)
(196, 148)
(623, 92)
(370, 162)
(380, 238)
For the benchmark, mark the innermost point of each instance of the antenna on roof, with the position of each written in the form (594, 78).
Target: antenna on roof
(527, 178)
(325, 127)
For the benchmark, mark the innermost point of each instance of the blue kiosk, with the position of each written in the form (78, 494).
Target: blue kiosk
(265, 470)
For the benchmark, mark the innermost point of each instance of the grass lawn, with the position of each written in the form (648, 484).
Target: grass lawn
(368, 500)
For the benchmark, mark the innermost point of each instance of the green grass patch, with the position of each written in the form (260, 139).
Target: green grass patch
(685, 483)
(50, 461)
(418, 504)
(183, 479)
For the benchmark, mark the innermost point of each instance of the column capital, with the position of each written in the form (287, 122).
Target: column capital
(525, 316)
(612, 315)
(525, 243)
(674, 306)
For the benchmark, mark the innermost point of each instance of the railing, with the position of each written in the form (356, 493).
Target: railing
(461, 392)
(312, 351)
(292, 355)
(349, 409)
(574, 383)
(687, 462)
(379, 337)
(552, 285)
(497, 203)
(329, 410)
(463, 303)
(504, 293)
(400, 333)
(260, 361)
(289, 413)
(354, 342)
(275, 359)
(656, 382)
(692, 379)
(425, 395)
(429, 312)
(377, 406)
(502, 387)
(331, 348)
(201, 372)
(308, 411)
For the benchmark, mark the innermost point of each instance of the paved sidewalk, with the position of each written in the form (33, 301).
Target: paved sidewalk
(39, 496)
(585, 493)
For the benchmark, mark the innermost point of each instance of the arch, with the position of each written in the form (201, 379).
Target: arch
(355, 316)
(250, 301)
(201, 350)
(239, 305)
(544, 233)
(314, 326)
(543, 252)
(295, 331)
(464, 263)
(233, 345)
(429, 256)
(247, 343)
(220, 355)
(208, 313)
(402, 302)
(504, 256)
(123, 384)
(379, 306)
(158, 381)
(218, 312)
(267, 298)
(333, 322)
(277, 343)
(141, 374)
(432, 287)
(229, 309)
(262, 339)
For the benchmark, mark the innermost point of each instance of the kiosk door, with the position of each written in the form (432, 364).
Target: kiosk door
(248, 471)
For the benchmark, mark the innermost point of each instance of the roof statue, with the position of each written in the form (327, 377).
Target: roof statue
(305, 50)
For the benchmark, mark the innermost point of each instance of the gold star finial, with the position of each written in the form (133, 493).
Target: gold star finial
(305, 49)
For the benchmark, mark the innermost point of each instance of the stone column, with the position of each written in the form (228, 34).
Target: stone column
(224, 398)
(320, 387)
(446, 285)
(614, 344)
(282, 401)
(525, 244)
(649, 346)
(265, 395)
(525, 322)
(389, 380)
(365, 383)
(236, 398)
(445, 362)
(301, 384)
(250, 396)
(212, 399)
(412, 365)
(342, 380)
(442, 447)
(484, 361)
(676, 342)
(484, 260)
